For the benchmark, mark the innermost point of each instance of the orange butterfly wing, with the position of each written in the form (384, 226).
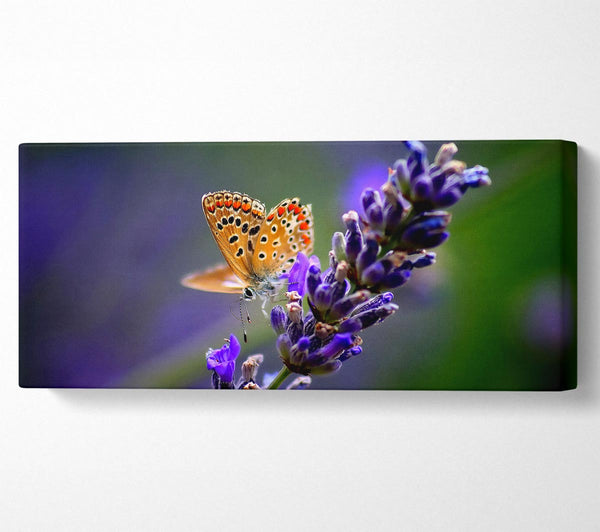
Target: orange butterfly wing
(234, 220)
(287, 230)
(219, 278)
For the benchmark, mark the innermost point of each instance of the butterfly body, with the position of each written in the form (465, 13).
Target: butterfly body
(259, 247)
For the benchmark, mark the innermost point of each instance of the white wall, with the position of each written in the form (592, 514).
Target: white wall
(188, 460)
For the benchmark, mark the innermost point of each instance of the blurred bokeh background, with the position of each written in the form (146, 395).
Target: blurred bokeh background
(107, 231)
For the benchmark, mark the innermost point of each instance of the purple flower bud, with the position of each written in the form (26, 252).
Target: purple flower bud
(354, 237)
(438, 178)
(294, 331)
(355, 351)
(349, 353)
(354, 242)
(400, 178)
(370, 317)
(339, 290)
(427, 230)
(304, 343)
(374, 215)
(368, 198)
(417, 160)
(426, 260)
(373, 207)
(422, 187)
(295, 326)
(315, 343)
(313, 279)
(374, 302)
(323, 297)
(297, 276)
(373, 275)
(367, 255)
(417, 164)
(393, 259)
(351, 325)
(284, 345)
(338, 343)
(328, 275)
(278, 319)
(309, 324)
(407, 265)
(392, 216)
(347, 304)
(350, 220)
(299, 351)
(333, 262)
(448, 196)
(427, 241)
(396, 278)
(477, 177)
(395, 207)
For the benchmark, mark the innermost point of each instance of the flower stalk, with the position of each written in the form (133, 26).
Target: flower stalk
(283, 374)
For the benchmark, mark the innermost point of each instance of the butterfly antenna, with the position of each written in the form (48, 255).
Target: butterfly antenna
(246, 309)
(231, 312)
(242, 321)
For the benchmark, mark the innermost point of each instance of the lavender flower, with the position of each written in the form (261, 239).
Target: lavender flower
(441, 184)
(426, 230)
(319, 342)
(402, 219)
(402, 222)
(297, 275)
(311, 354)
(370, 267)
(413, 187)
(222, 362)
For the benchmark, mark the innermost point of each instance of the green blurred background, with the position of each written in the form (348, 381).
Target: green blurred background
(107, 231)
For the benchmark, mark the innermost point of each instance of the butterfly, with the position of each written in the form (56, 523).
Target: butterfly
(259, 248)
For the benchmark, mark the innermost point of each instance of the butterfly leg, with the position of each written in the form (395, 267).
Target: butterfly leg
(262, 307)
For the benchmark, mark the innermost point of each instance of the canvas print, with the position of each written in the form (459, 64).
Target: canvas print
(300, 265)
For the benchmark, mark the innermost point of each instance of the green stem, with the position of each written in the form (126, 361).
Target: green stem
(283, 374)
